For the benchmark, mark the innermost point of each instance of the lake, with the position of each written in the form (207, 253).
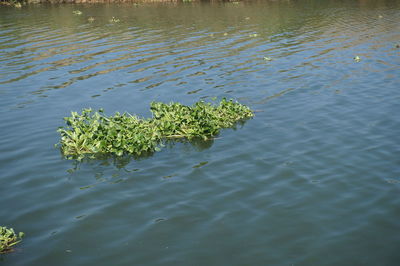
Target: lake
(312, 179)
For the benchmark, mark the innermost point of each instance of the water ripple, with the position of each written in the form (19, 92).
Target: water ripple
(314, 173)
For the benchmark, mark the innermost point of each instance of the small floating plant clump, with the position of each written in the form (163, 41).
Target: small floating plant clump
(8, 239)
(91, 133)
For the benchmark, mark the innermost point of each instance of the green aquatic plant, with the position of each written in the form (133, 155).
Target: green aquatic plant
(8, 239)
(357, 58)
(114, 20)
(91, 133)
(15, 3)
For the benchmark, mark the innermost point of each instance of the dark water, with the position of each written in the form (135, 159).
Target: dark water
(313, 179)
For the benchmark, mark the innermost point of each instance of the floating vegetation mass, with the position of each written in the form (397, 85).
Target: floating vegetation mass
(114, 20)
(91, 133)
(8, 239)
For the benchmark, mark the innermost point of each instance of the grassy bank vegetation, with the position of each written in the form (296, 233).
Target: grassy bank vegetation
(16, 3)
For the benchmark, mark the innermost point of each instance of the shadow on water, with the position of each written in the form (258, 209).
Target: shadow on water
(121, 162)
(112, 169)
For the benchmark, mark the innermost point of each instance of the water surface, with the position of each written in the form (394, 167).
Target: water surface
(313, 179)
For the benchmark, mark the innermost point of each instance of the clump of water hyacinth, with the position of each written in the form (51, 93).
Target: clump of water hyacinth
(92, 132)
(114, 20)
(8, 239)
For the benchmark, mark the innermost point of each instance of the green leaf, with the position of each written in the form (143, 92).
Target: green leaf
(8, 239)
(200, 164)
(92, 132)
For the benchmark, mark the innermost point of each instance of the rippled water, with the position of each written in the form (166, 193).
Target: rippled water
(313, 179)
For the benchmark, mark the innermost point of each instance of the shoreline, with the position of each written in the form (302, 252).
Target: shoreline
(16, 2)
(20, 3)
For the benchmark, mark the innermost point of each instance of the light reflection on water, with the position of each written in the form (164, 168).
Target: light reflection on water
(313, 179)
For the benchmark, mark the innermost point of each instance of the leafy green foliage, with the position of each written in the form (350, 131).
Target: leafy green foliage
(93, 133)
(8, 238)
(15, 3)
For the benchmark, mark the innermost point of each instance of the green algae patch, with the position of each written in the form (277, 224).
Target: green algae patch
(92, 132)
(8, 239)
